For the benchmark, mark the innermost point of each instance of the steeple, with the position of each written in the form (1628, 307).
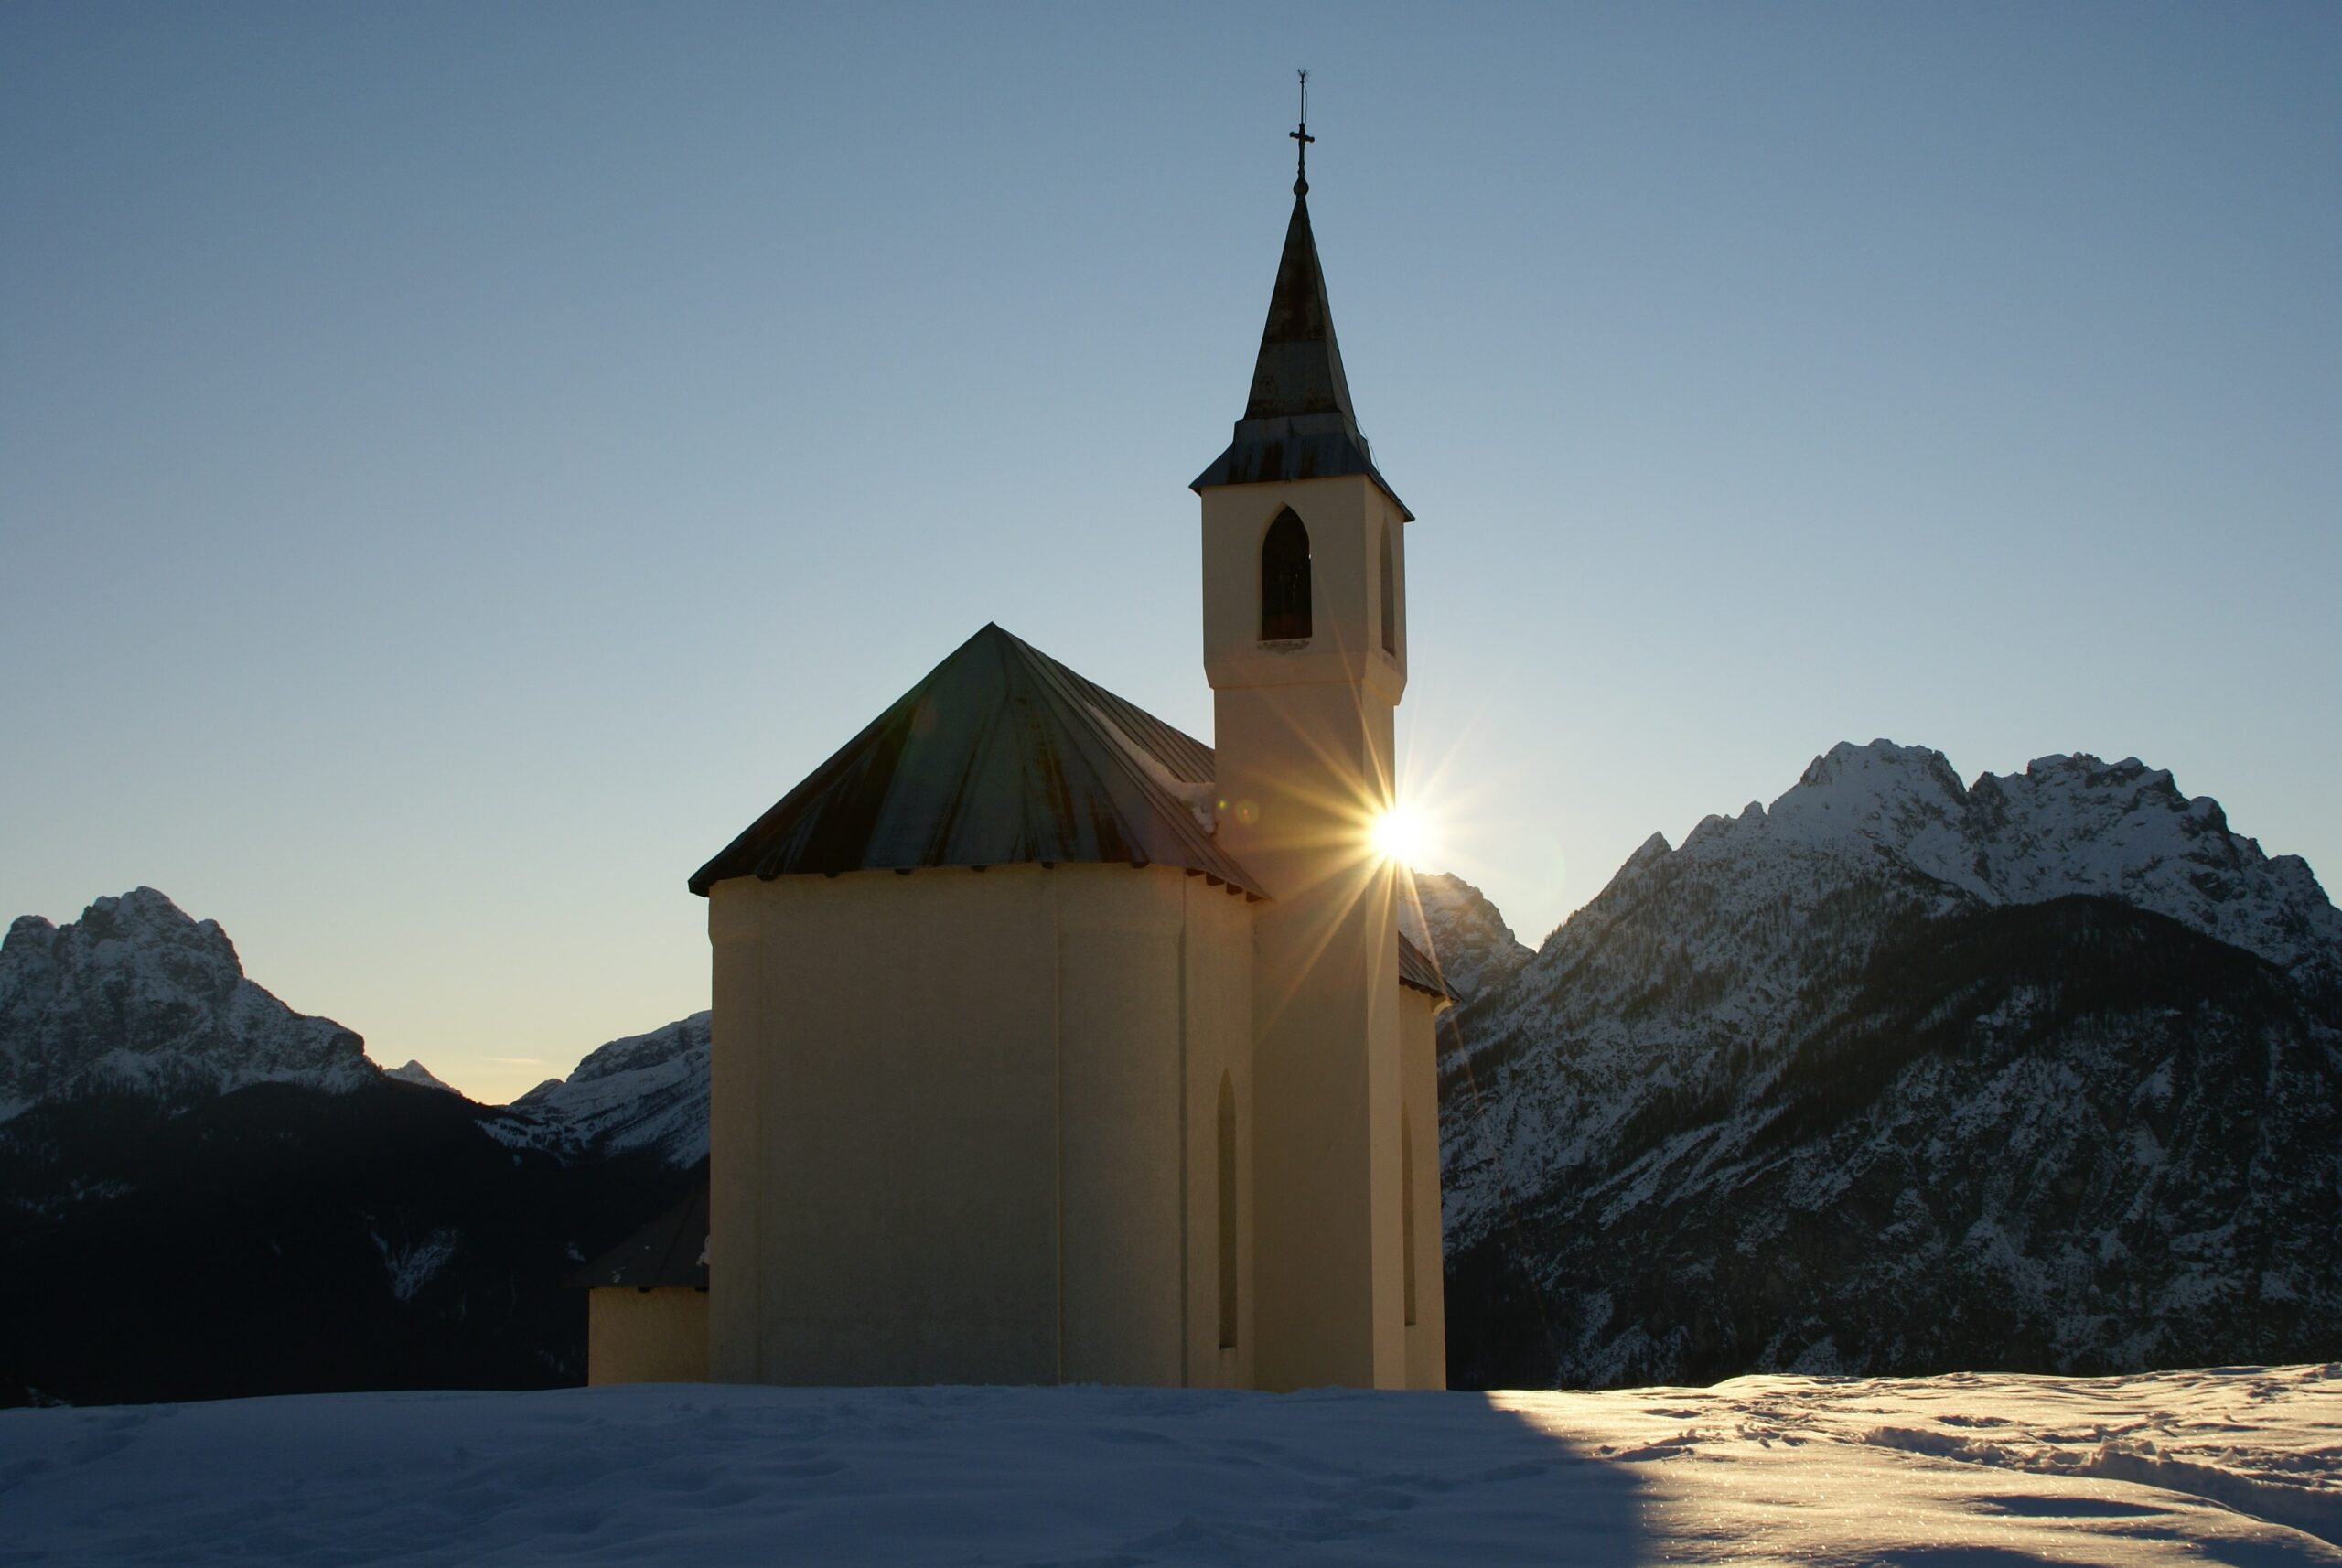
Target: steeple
(1299, 422)
(1304, 612)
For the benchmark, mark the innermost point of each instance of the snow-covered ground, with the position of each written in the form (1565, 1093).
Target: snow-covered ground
(2240, 1466)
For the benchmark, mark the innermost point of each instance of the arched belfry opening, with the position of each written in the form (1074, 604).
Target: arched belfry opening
(1389, 595)
(1285, 580)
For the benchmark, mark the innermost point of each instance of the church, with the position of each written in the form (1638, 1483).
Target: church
(1050, 1044)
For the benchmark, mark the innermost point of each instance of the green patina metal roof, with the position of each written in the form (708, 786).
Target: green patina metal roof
(1001, 756)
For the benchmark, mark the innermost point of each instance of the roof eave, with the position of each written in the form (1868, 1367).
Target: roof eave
(1134, 779)
(1283, 451)
(1217, 875)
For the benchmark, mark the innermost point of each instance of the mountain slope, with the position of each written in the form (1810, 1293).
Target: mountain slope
(283, 1239)
(204, 1194)
(1899, 1076)
(643, 1093)
(1453, 921)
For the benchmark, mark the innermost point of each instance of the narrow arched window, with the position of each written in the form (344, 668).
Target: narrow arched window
(1285, 580)
(1389, 595)
(1227, 1213)
(1407, 1204)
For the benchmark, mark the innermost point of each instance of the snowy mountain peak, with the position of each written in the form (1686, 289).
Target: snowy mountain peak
(1879, 764)
(136, 995)
(415, 1072)
(1884, 792)
(2069, 824)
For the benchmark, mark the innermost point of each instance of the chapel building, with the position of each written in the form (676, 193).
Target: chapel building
(1051, 1045)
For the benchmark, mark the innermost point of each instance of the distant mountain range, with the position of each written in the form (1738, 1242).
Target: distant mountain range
(203, 1193)
(135, 999)
(1898, 1075)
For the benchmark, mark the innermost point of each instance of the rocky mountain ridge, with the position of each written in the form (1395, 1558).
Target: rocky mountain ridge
(2066, 824)
(136, 997)
(645, 1091)
(1449, 919)
(1896, 1075)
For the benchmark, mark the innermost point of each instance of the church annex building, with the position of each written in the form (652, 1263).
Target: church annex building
(1051, 1045)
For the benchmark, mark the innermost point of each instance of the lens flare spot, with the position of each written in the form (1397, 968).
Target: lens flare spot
(1401, 834)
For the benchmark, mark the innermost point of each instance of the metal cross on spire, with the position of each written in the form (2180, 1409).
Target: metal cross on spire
(1301, 167)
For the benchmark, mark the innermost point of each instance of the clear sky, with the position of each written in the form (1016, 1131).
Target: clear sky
(458, 464)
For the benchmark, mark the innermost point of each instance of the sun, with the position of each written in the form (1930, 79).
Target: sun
(1401, 834)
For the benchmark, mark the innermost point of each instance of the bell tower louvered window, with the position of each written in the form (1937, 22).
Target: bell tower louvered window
(1285, 580)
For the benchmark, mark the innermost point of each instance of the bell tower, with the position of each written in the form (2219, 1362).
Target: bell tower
(1306, 647)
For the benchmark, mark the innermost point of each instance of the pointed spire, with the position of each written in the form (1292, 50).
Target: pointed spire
(1299, 371)
(1299, 422)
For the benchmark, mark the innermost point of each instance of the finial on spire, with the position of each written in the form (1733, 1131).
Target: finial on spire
(1301, 167)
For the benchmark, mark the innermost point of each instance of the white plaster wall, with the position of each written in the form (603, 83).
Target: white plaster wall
(1218, 1002)
(950, 1136)
(897, 1053)
(1120, 1194)
(1307, 769)
(1426, 1338)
